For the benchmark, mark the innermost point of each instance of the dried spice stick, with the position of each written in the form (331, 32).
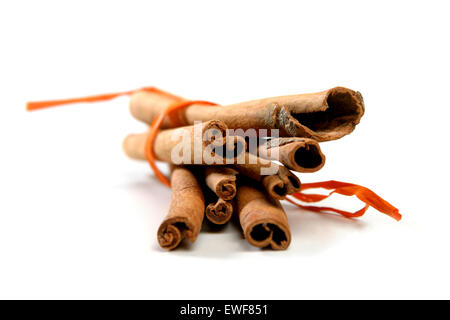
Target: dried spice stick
(323, 116)
(222, 181)
(278, 184)
(186, 212)
(134, 144)
(219, 212)
(167, 140)
(262, 218)
(298, 154)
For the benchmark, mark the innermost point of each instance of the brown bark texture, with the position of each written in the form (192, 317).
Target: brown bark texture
(278, 182)
(221, 180)
(212, 151)
(186, 212)
(219, 212)
(297, 154)
(323, 116)
(262, 218)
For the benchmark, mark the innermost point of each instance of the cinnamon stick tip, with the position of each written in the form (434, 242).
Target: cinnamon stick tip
(352, 99)
(219, 213)
(172, 231)
(306, 157)
(269, 233)
(281, 185)
(128, 146)
(275, 187)
(226, 189)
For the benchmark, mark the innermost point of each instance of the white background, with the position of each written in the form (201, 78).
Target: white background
(78, 219)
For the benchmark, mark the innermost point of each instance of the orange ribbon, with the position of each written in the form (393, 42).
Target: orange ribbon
(156, 124)
(38, 105)
(370, 198)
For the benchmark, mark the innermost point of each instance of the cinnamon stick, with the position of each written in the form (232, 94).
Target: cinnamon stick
(262, 218)
(219, 212)
(134, 147)
(222, 181)
(298, 154)
(323, 116)
(276, 179)
(186, 212)
(167, 140)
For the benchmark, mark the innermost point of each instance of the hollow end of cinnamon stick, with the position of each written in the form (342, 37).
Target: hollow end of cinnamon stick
(226, 189)
(339, 112)
(262, 219)
(298, 154)
(222, 181)
(172, 231)
(303, 157)
(219, 212)
(268, 233)
(293, 183)
(279, 185)
(275, 187)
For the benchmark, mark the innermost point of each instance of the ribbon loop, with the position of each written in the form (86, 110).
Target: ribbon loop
(370, 198)
(156, 124)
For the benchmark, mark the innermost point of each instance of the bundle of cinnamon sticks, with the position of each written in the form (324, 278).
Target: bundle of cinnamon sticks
(239, 160)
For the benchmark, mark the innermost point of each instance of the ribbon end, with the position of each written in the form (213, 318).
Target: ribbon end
(30, 106)
(397, 216)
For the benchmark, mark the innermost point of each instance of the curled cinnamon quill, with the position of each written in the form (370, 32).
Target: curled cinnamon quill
(167, 140)
(262, 218)
(219, 212)
(276, 179)
(323, 116)
(298, 154)
(222, 181)
(186, 212)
